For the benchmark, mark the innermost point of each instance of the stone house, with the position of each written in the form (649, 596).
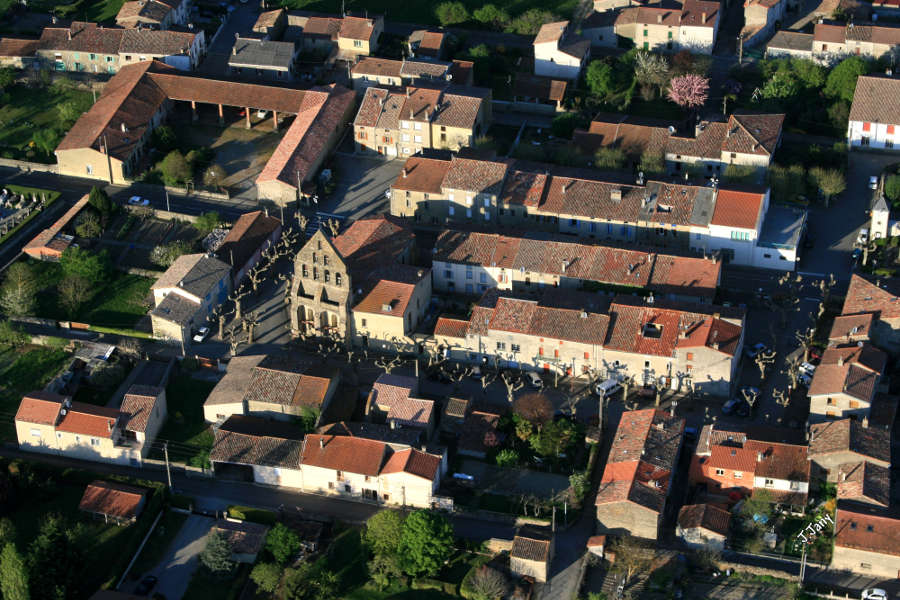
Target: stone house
(847, 441)
(845, 381)
(159, 14)
(254, 449)
(252, 234)
(866, 544)
(558, 52)
(878, 298)
(694, 27)
(874, 121)
(703, 526)
(144, 409)
(532, 554)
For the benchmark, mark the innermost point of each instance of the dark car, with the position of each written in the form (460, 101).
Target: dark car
(439, 376)
(146, 585)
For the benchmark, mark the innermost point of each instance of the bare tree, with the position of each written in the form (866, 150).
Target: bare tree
(257, 274)
(763, 360)
(388, 363)
(512, 383)
(129, 347)
(790, 283)
(302, 221)
(805, 339)
(868, 247)
(825, 286)
(328, 347)
(236, 297)
(781, 398)
(251, 320)
(234, 337)
(333, 226)
(792, 370)
(627, 381)
(221, 315)
(631, 557)
(751, 396)
(457, 374)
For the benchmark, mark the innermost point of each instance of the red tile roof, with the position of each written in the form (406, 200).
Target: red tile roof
(413, 462)
(849, 435)
(738, 209)
(864, 482)
(451, 327)
(851, 328)
(137, 406)
(18, 47)
(641, 460)
(112, 499)
(247, 236)
(357, 28)
(852, 370)
(876, 99)
(866, 296)
(706, 516)
(40, 407)
(389, 298)
(529, 548)
(90, 420)
(422, 175)
(866, 532)
(340, 453)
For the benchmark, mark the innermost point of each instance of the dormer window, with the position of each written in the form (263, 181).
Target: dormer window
(652, 330)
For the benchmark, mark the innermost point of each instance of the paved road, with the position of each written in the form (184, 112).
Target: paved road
(182, 558)
(239, 22)
(361, 183)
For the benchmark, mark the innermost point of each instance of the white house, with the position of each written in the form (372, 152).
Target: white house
(875, 113)
(703, 525)
(258, 450)
(558, 52)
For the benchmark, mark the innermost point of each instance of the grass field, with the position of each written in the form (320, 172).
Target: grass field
(30, 109)
(423, 12)
(185, 425)
(22, 371)
(88, 10)
(117, 303)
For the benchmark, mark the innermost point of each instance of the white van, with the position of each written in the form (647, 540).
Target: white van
(607, 388)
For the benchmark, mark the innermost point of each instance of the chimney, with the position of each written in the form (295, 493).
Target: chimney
(266, 211)
(843, 476)
(703, 18)
(865, 422)
(565, 186)
(410, 113)
(840, 361)
(124, 128)
(69, 35)
(616, 195)
(564, 265)
(759, 456)
(321, 443)
(659, 18)
(405, 172)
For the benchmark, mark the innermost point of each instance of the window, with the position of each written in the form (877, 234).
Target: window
(340, 474)
(487, 202)
(93, 56)
(824, 47)
(670, 35)
(890, 130)
(36, 433)
(451, 211)
(448, 274)
(645, 33)
(347, 488)
(469, 274)
(366, 478)
(95, 442)
(469, 213)
(405, 137)
(89, 169)
(587, 356)
(770, 482)
(417, 126)
(864, 140)
(361, 135)
(888, 144)
(330, 485)
(854, 404)
(357, 44)
(830, 402)
(690, 356)
(541, 351)
(482, 277)
(337, 279)
(720, 471)
(305, 271)
(795, 485)
(738, 474)
(865, 566)
(867, 127)
(417, 139)
(404, 125)
(515, 347)
(109, 59)
(501, 345)
(327, 276)
(469, 288)
(325, 259)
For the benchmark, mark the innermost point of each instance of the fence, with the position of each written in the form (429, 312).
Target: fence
(24, 165)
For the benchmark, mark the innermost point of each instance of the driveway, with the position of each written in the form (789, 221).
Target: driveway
(834, 228)
(240, 21)
(182, 557)
(361, 183)
(511, 482)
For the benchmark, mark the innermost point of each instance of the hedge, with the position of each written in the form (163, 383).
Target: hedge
(255, 515)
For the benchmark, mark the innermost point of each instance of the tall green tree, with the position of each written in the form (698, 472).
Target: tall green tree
(490, 15)
(56, 562)
(217, 555)
(18, 294)
(175, 168)
(383, 532)
(90, 266)
(13, 574)
(426, 543)
(282, 543)
(600, 79)
(99, 199)
(207, 221)
(553, 438)
(609, 158)
(7, 77)
(841, 82)
(530, 21)
(451, 13)
(266, 576)
(830, 181)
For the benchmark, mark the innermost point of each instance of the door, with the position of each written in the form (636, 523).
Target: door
(391, 151)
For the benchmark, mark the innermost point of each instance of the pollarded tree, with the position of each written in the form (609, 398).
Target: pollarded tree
(830, 181)
(688, 91)
(426, 543)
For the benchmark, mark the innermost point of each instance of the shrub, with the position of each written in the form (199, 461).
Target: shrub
(892, 187)
(507, 458)
(427, 584)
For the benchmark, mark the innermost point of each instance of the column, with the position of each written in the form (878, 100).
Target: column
(193, 110)
(221, 116)
(274, 120)
(247, 113)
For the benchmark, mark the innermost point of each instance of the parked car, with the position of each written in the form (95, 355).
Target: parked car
(854, 256)
(752, 351)
(138, 201)
(863, 236)
(732, 405)
(607, 388)
(146, 585)
(804, 379)
(201, 334)
(807, 368)
(874, 594)
(873, 182)
(534, 380)
(262, 113)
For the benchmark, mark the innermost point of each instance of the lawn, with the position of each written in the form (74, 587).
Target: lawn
(117, 303)
(155, 548)
(90, 10)
(423, 12)
(31, 109)
(185, 425)
(21, 371)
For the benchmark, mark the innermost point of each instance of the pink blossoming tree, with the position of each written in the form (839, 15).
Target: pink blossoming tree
(688, 91)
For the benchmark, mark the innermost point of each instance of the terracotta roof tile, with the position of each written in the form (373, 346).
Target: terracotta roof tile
(357, 28)
(112, 499)
(551, 32)
(706, 516)
(864, 482)
(738, 209)
(849, 435)
(451, 327)
(533, 86)
(871, 533)
(157, 42)
(138, 405)
(255, 441)
(246, 237)
(865, 296)
(82, 36)
(40, 407)
(90, 420)
(354, 455)
(528, 548)
(413, 462)
(11, 47)
(388, 297)
(422, 175)
(852, 370)
(851, 328)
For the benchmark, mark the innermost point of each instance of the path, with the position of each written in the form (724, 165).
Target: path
(182, 557)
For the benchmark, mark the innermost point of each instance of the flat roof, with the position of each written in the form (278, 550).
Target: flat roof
(782, 227)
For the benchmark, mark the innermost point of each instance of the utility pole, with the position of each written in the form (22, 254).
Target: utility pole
(168, 472)
(802, 565)
(167, 201)
(740, 50)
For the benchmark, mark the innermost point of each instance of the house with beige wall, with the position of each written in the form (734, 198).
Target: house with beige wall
(580, 334)
(691, 27)
(358, 36)
(532, 554)
(880, 299)
(865, 543)
(254, 449)
(832, 42)
(703, 526)
(385, 72)
(401, 122)
(158, 14)
(840, 442)
(559, 52)
(50, 423)
(845, 382)
(185, 296)
(144, 411)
